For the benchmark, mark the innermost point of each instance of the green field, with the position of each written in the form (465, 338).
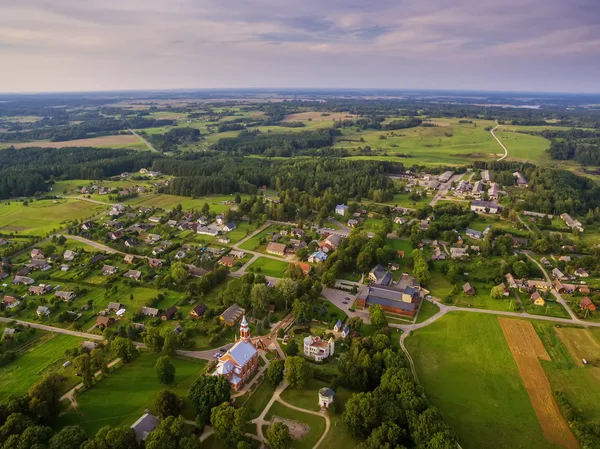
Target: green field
(428, 309)
(122, 397)
(268, 267)
(43, 216)
(524, 147)
(468, 372)
(164, 201)
(40, 357)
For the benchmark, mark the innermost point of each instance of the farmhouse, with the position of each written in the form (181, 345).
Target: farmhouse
(537, 299)
(39, 289)
(468, 289)
(484, 206)
(472, 233)
(232, 315)
(227, 261)
(459, 253)
(169, 314)
(241, 361)
(40, 264)
(493, 191)
(317, 349)
(36, 253)
(42, 311)
(64, 295)
(587, 304)
(22, 280)
(539, 284)
(521, 181)
(276, 248)
(557, 274)
(229, 227)
(109, 270)
(198, 311)
(486, 176)
(133, 274)
(149, 311)
(69, 255)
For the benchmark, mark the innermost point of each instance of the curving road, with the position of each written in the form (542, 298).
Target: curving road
(501, 144)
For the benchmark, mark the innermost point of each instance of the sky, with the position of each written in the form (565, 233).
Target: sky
(84, 45)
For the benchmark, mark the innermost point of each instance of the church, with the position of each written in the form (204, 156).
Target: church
(240, 361)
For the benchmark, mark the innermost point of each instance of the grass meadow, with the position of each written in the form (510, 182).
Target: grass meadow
(468, 372)
(269, 267)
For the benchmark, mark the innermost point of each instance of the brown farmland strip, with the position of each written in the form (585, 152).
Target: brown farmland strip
(527, 349)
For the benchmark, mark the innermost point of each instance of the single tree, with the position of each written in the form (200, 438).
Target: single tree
(165, 370)
(279, 436)
(275, 372)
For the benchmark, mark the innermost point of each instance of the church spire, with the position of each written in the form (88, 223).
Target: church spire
(244, 330)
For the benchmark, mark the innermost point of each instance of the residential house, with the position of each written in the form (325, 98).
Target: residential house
(116, 210)
(380, 275)
(472, 233)
(224, 240)
(237, 254)
(445, 177)
(40, 264)
(196, 271)
(227, 261)
(42, 311)
(169, 314)
(486, 176)
(202, 221)
(510, 280)
(438, 254)
(341, 209)
(115, 306)
(198, 311)
(153, 238)
(180, 255)
(116, 235)
(10, 302)
(232, 314)
(346, 331)
(317, 256)
(39, 290)
(204, 230)
(96, 258)
(149, 311)
(557, 274)
(537, 299)
(102, 322)
(304, 267)
(477, 189)
(220, 219)
(399, 220)
(459, 253)
(318, 349)
(296, 232)
(570, 222)
(504, 288)
(9, 332)
(22, 280)
(172, 223)
(87, 225)
(131, 242)
(521, 181)
(565, 258)
(353, 223)
(109, 270)
(484, 206)
(36, 253)
(338, 326)
(113, 224)
(276, 248)
(468, 289)
(520, 242)
(129, 258)
(581, 273)
(69, 255)
(154, 219)
(65, 295)
(89, 345)
(493, 191)
(229, 227)
(587, 304)
(133, 274)
(155, 263)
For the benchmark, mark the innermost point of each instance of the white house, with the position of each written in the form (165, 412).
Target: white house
(484, 206)
(341, 209)
(318, 349)
(326, 397)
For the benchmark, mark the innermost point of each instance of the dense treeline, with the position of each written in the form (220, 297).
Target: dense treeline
(376, 122)
(276, 144)
(176, 136)
(578, 144)
(206, 175)
(88, 128)
(25, 171)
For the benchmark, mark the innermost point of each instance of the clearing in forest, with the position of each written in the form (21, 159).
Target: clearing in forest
(527, 349)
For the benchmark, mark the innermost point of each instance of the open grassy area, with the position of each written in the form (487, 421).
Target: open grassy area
(316, 423)
(122, 397)
(259, 399)
(41, 356)
(43, 216)
(307, 398)
(468, 372)
(268, 267)
(524, 147)
(427, 310)
(165, 201)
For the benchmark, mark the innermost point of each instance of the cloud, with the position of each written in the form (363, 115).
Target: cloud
(236, 42)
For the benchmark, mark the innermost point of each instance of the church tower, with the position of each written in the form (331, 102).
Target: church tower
(244, 330)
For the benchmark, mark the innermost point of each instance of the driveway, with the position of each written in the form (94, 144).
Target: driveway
(338, 297)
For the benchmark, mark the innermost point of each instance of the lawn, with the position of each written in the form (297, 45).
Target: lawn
(468, 372)
(551, 308)
(316, 423)
(37, 358)
(268, 267)
(306, 398)
(253, 243)
(164, 201)
(43, 216)
(428, 309)
(259, 399)
(122, 397)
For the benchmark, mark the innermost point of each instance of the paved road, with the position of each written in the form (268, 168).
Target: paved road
(150, 147)
(58, 330)
(501, 144)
